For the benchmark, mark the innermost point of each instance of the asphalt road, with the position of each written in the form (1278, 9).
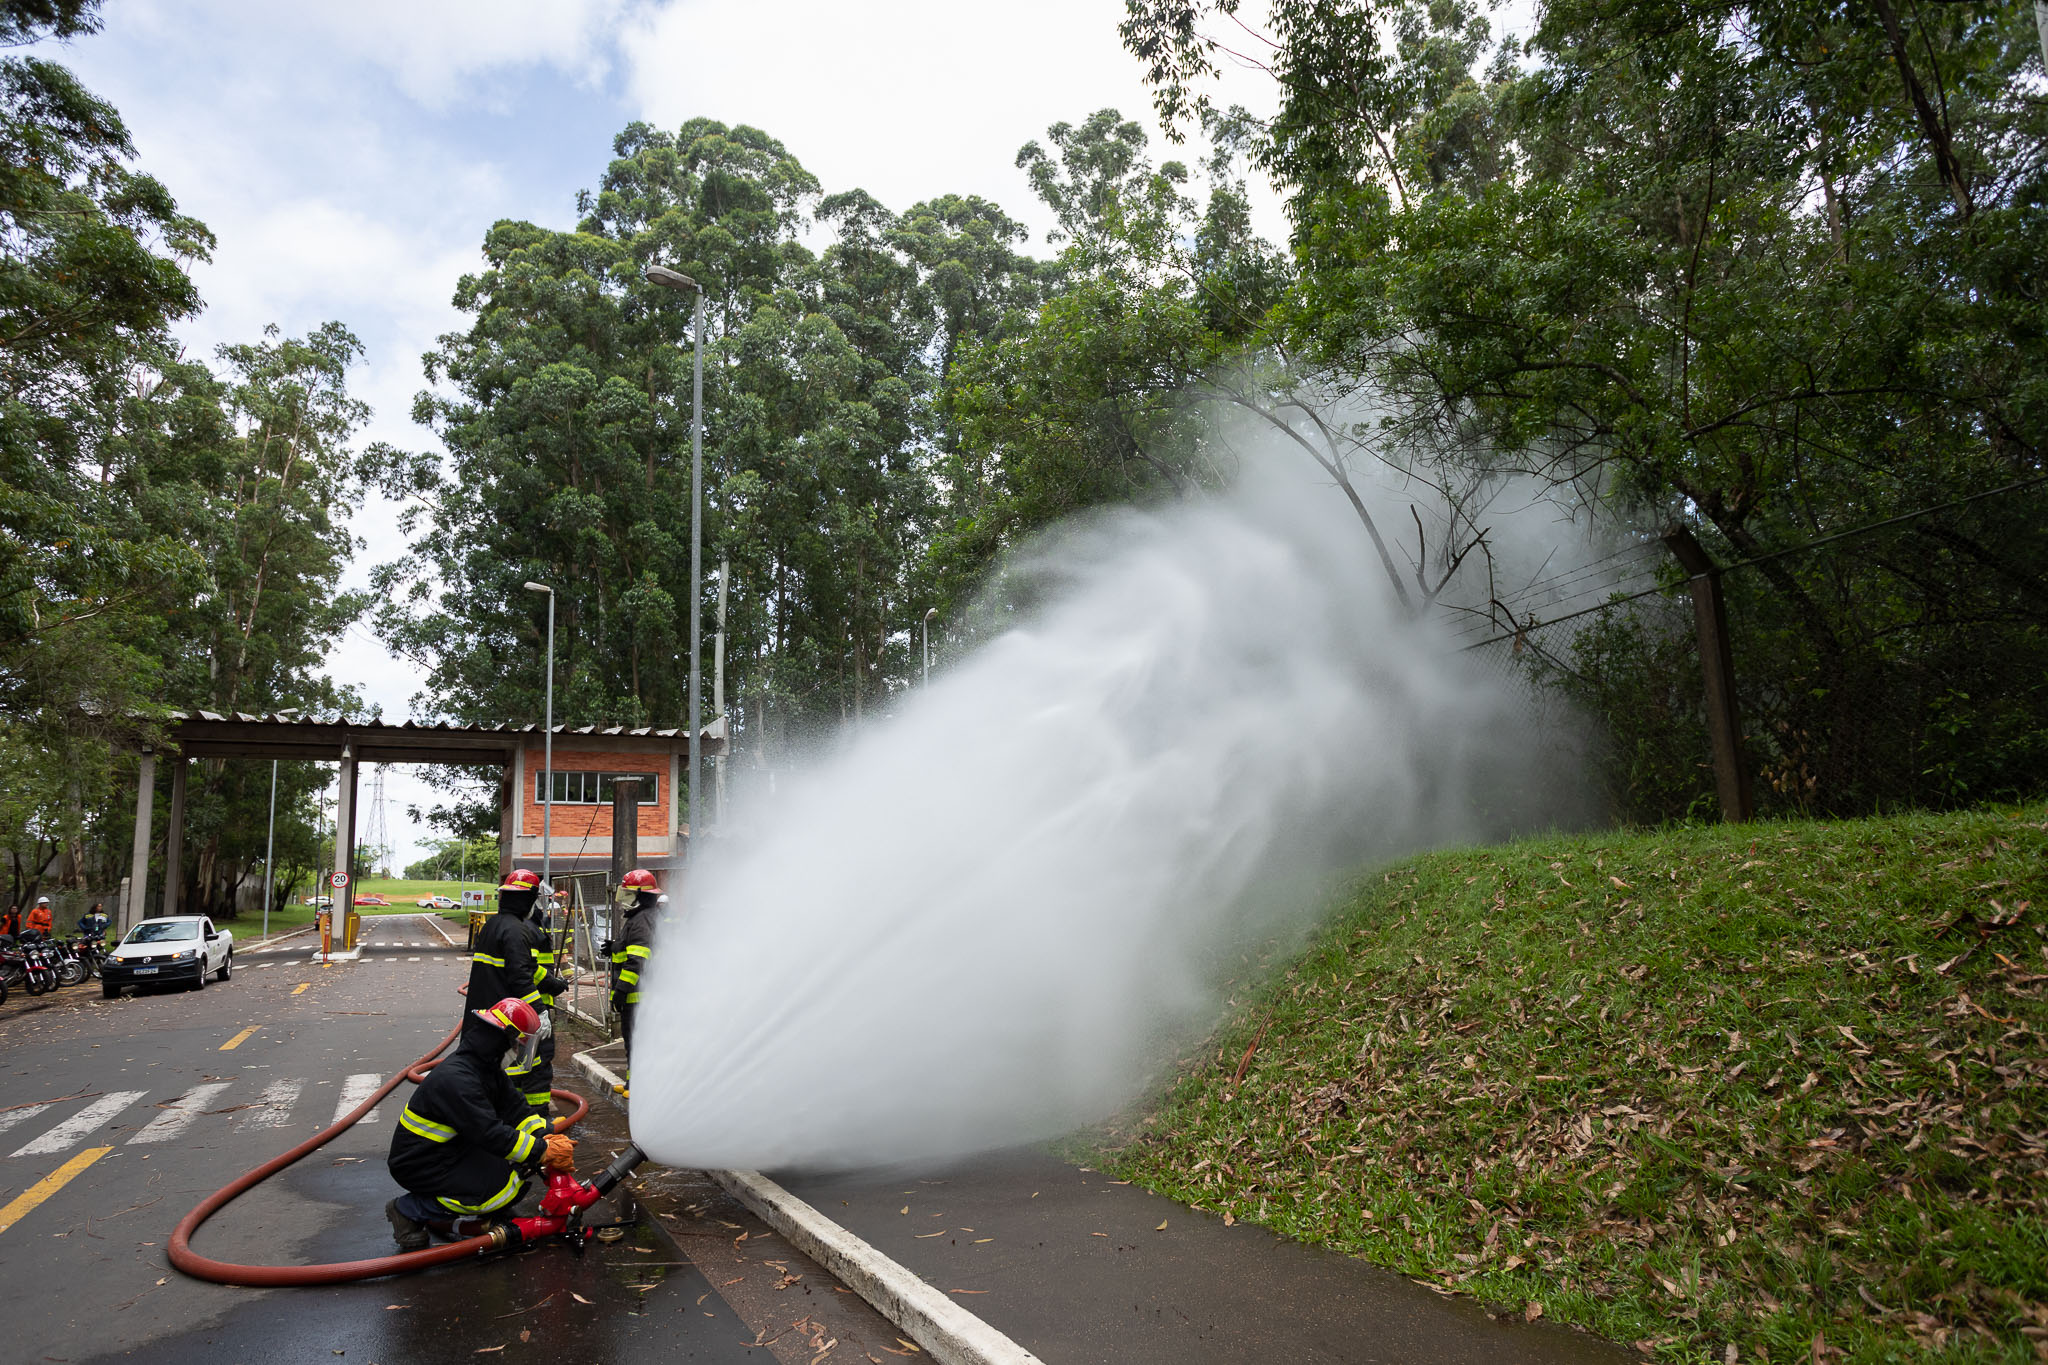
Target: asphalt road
(117, 1116)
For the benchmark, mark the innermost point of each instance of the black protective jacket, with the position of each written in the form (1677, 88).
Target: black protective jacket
(467, 1106)
(631, 950)
(502, 963)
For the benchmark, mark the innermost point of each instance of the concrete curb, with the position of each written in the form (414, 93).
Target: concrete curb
(947, 1332)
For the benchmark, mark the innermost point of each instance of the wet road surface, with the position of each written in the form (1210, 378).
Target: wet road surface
(117, 1116)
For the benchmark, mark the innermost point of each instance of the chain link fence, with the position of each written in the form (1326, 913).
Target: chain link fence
(1899, 664)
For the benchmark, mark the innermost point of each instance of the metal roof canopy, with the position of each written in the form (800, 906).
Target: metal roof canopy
(204, 734)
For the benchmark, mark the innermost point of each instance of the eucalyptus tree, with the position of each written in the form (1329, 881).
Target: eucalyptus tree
(564, 408)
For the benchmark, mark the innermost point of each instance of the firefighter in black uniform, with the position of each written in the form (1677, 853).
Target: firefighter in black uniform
(631, 949)
(503, 963)
(467, 1143)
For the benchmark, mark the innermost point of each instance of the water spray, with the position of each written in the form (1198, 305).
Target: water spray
(991, 916)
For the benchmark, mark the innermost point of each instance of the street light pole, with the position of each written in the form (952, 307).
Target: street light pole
(270, 839)
(673, 279)
(547, 801)
(930, 612)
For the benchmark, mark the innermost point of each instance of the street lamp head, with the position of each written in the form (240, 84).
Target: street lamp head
(930, 612)
(671, 279)
(540, 587)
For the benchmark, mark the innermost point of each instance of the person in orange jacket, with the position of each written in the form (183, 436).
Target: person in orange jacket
(10, 923)
(39, 916)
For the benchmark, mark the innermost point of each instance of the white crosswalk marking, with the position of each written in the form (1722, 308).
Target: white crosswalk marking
(178, 1114)
(354, 1091)
(412, 959)
(79, 1124)
(21, 1115)
(274, 1110)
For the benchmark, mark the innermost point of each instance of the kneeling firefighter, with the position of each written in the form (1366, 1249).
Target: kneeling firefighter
(513, 956)
(632, 948)
(468, 1142)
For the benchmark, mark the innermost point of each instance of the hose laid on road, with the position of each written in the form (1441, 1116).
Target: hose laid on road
(338, 1272)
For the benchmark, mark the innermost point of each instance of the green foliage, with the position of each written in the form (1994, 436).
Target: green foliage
(1107, 394)
(1760, 1088)
(1754, 268)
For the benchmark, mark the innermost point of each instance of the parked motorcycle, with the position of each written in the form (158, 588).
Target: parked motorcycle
(73, 966)
(13, 970)
(40, 961)
(91, 951)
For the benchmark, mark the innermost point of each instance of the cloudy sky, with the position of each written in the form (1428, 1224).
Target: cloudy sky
(350, 154)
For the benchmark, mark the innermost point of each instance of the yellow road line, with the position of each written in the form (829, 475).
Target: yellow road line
(300, 989)
(25, 1203)
(240, 1038)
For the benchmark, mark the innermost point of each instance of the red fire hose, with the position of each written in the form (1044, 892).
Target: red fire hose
(278, 1276)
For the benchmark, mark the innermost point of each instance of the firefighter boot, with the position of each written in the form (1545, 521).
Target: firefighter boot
(409, 1235)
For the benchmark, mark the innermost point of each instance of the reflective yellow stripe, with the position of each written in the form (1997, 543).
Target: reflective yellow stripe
(486, 957)
(504, 1196)
(544, 956)
(540, 1099)
(636, 950)
(619, 956)
(532, 1124)
(522, 1147)
(425, 1127)
(531, 997)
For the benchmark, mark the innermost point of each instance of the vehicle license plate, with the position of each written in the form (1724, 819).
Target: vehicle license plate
(146, 971)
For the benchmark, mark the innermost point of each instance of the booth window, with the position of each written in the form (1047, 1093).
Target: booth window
(593, 789)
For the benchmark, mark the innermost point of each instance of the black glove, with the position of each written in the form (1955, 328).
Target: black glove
(607, 947)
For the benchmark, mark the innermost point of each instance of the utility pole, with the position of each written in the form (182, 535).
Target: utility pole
(718, 688)
(674, 279)
(547, 800)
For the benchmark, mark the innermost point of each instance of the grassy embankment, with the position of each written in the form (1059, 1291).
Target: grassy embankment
(1777, 1087)
(403, 894)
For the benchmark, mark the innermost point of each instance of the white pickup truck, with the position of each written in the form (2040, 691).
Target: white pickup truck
(175, 950)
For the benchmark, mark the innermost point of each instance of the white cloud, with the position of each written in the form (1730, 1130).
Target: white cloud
(907, 99)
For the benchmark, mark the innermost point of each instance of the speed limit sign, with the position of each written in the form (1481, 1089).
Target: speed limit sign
(338, 880)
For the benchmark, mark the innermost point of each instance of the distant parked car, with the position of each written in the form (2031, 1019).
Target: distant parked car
(371, 899)
(176, 950)
(319, 902)
(436, 903)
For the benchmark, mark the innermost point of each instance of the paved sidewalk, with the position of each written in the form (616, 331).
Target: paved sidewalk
(1073, 1267)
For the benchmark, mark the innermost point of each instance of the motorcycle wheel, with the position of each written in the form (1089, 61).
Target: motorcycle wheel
(35, 983)
(71, 973)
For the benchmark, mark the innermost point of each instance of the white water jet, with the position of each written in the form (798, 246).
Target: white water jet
(985, 919)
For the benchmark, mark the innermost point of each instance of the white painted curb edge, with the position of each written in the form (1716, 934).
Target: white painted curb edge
(949, 1333)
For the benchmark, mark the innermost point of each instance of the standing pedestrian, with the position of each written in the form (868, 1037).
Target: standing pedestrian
(10, 923)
